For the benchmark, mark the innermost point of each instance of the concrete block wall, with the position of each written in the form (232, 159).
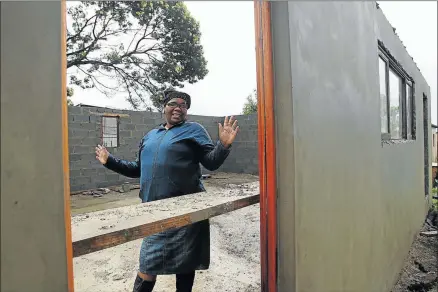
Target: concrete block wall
(85, 128)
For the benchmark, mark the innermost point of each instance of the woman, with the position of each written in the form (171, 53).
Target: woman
(168, 166)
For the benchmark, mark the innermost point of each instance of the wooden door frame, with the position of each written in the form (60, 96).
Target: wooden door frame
(266, 141)
(65, 151)
(266, 151)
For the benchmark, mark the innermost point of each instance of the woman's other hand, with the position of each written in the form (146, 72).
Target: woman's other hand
(102, 154)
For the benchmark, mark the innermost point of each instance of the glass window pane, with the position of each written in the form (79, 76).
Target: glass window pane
(383, 97)
(109, 142)
(111, 122)
(106, 142)
(409, 110)
(109, 131)
(394, 103)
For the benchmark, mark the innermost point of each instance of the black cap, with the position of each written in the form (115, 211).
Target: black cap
(171, 94)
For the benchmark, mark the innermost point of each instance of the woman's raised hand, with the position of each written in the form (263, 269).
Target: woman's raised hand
(102, 154)
(228, 131)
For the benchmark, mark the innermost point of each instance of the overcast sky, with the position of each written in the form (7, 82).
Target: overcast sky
(229, 47)
(416, 25)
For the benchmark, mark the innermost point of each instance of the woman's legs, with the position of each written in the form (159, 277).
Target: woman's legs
(144, 282)
(184, 282)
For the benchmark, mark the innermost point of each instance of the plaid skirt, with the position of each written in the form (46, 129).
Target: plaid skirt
(176, 251)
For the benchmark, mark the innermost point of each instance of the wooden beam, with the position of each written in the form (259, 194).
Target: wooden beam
(104, 229)
(110, 115)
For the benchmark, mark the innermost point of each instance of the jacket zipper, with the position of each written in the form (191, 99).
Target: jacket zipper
(156, 154)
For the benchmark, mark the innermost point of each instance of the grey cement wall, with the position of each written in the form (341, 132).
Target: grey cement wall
(34, 239)
(349, 229)
(85, 125)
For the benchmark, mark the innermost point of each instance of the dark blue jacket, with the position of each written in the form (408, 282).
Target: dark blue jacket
(168, 165)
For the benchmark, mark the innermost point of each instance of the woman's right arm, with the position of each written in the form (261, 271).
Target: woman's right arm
(123, 167)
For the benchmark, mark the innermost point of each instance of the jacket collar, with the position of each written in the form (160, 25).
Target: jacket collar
(163, 125)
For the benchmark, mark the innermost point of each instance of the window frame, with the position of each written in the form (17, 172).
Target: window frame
(117, 118)
(406, 80)
(411, 100)
(388, 126)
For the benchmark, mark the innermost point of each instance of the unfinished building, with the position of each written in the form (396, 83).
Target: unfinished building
(351, 197)
(121, 130)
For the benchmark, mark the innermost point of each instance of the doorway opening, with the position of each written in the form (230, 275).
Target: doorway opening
(127, 124)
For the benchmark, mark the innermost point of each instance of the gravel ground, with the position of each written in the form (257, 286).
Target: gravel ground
(235, 263)
(420, 271)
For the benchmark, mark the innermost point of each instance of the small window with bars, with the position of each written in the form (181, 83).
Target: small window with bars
(110, 131)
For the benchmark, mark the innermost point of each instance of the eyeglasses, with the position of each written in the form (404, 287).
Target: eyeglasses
(174, 104)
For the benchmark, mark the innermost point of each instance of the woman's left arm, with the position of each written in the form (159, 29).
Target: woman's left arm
(213, 156)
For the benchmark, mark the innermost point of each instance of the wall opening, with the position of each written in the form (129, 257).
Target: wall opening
(110, 131)
(118, 126)
(426, 127)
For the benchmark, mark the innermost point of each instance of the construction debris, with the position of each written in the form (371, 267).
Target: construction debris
(95, 193)
(419, 273)
(430, 233)
(124, 188)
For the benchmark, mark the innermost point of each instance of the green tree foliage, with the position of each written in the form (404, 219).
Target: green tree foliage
(138, 48)
(250, 105)
(70, 92)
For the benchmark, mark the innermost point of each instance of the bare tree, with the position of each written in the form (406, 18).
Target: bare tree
(137, 48)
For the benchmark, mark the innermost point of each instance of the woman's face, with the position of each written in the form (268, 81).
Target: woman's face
(175, 111)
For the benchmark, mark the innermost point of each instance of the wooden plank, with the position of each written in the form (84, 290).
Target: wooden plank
(110, 115)
(429, 233)
(104, 229)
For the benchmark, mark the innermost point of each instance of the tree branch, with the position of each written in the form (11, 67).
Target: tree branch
(81, 29)
(95, 80)
(88, 48)
(146, 63)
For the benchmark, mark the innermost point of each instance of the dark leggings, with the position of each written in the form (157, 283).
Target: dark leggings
(184, 283)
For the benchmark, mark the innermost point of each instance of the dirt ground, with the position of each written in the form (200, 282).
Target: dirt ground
(86, 203)
(235, 263)
(420, 271)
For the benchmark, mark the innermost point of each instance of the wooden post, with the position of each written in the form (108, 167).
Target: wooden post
(267, 153)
